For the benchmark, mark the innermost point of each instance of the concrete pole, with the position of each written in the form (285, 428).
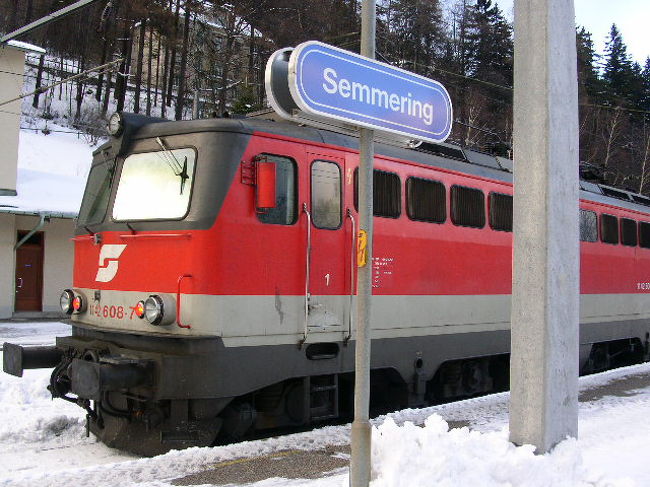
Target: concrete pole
(545, 287)
(361, 430)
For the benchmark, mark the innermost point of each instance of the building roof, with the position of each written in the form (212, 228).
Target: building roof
(44, 193)
(24, 46)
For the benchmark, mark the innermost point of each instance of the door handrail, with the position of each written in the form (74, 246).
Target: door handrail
(353, 260)
(305, 210)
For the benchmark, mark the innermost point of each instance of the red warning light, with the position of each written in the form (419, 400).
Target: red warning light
(139, 309)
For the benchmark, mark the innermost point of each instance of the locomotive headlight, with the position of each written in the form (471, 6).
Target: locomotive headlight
(65, 301)
(154, 309)
(115, 124)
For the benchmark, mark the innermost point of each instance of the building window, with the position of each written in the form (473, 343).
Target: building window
(286, 193)
(426, 200)
(500, 212)
(588, 226)
(467, 207)
(387, 193)
(628, 232)
(326, 194)
(608, 229)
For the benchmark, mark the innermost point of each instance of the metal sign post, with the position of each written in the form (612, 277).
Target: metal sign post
(545, 288)
(324, 86)
(361, 430)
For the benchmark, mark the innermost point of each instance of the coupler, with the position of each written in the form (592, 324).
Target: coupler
(16, 358)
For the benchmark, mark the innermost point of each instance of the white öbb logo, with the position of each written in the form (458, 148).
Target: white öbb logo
(110, 253)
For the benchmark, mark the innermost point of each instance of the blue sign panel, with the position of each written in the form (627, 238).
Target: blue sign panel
(331, 82)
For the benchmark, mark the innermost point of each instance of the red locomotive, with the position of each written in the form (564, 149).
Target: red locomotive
(214, 280)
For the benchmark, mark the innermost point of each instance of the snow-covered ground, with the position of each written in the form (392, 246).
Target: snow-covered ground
(43, 442)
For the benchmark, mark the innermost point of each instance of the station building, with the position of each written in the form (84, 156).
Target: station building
(36, 253)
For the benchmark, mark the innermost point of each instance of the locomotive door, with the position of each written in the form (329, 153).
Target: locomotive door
(329, 280)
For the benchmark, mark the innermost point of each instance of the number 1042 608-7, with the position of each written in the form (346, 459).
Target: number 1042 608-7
(106, 311)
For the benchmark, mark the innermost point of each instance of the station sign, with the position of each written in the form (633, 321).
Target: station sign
(332, 83)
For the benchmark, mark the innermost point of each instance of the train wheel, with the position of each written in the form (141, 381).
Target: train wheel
(238, 419)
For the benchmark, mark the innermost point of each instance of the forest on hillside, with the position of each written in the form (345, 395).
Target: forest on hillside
(200, 58)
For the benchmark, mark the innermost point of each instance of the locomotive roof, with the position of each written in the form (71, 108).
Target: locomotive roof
(445, 156)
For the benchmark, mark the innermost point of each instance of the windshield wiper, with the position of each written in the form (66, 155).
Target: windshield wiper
(178, 169)
(183, 174)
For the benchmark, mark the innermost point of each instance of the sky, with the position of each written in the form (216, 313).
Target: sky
(597, 16)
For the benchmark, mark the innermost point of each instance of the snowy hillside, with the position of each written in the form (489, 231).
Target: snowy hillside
(52, 172)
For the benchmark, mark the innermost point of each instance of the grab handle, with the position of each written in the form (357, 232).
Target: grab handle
(305, 210)
(178, 301)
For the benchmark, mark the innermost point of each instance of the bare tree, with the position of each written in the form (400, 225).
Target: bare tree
(180, 98)
(644, 155)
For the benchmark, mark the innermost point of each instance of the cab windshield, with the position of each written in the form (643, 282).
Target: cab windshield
(155, 185)
(97, 194)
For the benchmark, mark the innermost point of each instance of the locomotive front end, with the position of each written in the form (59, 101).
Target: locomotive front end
(131, 361)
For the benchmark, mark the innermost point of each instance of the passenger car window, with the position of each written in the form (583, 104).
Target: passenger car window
(326, 194)
(426, 200)
(155, 185)
(644, 235)
(608, 229)
(467, 207)
(386, 196)
(286, 194)
(500, 212)
(628, 232)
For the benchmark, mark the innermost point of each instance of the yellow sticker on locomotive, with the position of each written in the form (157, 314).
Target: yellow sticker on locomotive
(362, 248)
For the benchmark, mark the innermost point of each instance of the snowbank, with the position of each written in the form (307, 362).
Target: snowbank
(42, 443)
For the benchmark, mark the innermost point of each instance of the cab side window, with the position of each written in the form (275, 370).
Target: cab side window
(286, 193)
(326, 194)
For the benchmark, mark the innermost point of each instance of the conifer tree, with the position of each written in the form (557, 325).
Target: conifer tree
(589, 84)
(490, 43)
(619, 73)
(417, 29)
(645, 76)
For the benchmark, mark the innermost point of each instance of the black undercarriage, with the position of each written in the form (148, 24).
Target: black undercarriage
(148, 396)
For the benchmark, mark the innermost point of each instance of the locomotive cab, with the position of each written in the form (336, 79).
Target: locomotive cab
(174, 307)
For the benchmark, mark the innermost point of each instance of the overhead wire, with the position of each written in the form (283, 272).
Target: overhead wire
(104, 68)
